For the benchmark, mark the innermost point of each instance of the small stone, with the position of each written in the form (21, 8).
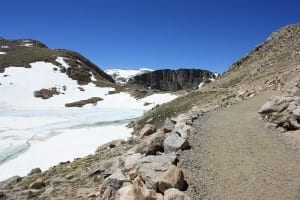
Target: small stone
(34, 171)
(174, 194)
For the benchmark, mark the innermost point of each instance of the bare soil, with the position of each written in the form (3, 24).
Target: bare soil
(234, 156)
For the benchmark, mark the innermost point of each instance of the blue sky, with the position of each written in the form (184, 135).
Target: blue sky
(157, 34)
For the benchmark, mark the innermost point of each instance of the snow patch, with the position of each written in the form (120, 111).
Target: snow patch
(201, 85)
(26, 45)
(62, 61)
(93, 77)
(2, 53)
(4, 47)
(122, 76)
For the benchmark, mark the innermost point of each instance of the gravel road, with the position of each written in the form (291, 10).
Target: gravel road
(234, 157)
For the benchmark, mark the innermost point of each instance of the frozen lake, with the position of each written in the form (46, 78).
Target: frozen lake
(43, 138)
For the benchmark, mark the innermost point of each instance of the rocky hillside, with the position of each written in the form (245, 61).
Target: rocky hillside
(173, 80)
(154, 164)
(45, 77)
(23, 52)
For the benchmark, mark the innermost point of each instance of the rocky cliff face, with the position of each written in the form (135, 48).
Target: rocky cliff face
(172, 80)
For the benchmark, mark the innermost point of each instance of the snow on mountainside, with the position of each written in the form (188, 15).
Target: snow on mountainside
(20, 84)
(122, 75)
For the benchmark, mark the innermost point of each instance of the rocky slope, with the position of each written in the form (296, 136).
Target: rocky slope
(173, 80)
(162, 160)
(22, 52)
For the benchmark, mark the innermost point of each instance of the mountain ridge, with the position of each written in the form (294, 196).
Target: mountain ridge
(174, 128)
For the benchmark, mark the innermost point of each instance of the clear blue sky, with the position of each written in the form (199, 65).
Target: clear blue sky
(149, 33)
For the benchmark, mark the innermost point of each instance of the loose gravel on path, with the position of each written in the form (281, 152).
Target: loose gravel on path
(234, 157)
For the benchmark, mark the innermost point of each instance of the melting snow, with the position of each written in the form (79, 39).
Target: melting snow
(62, 61)
(122, 76)
(33, 129)
(4, 47)
(26, 45)
(2, 53)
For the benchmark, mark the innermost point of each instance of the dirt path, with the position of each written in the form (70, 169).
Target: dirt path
(234, 156)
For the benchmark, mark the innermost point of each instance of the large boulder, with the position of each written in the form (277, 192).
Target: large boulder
(172, 178)
(174, 142)
(152, 144)
(282, 111)
(142, 192)
(150, 168)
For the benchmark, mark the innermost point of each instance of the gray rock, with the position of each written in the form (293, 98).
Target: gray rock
(150, 168)
(110, 145)
(118, 175)
(10, 182)
(174, 194)
(282, 111)
(30, 193)
(174, 142)
(148, 129)
(108, 189)
(296, 112)
(107, 167)
(34, 171)
(152, 144)
(168, 126)
(132, 160)
(182, 133)
(126, 193)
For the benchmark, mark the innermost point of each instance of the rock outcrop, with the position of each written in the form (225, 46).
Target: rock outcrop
(173, 80)
(283, 112)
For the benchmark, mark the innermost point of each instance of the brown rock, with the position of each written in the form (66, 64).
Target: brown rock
(143, 193)
(126, 193)
(172, 178)
(37, 184)
(148, 129)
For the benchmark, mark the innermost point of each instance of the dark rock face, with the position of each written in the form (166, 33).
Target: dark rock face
(172, 80)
